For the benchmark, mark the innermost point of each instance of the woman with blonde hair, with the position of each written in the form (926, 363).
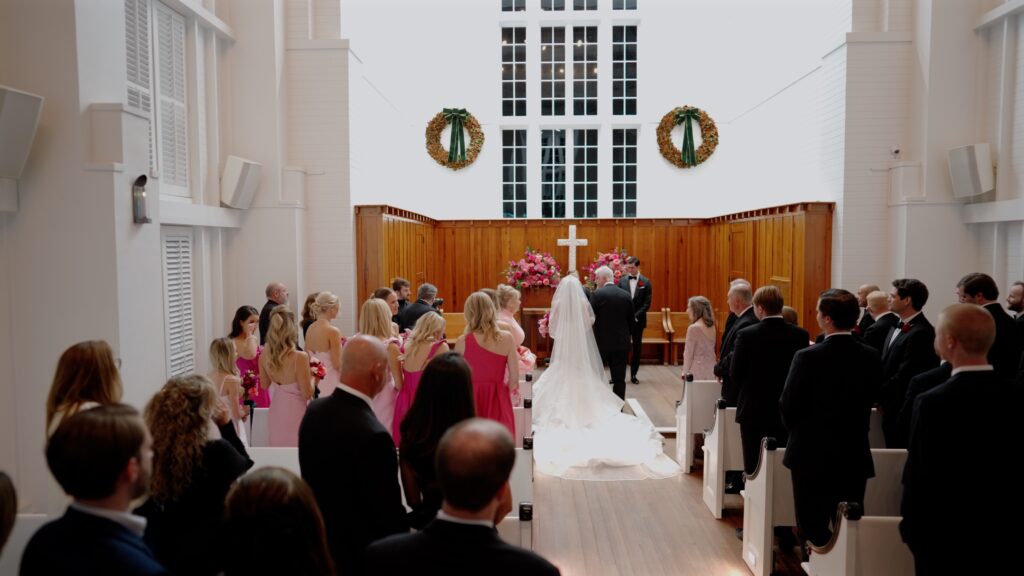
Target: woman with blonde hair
(224, 376)
(489, 352)
(286, 367)
(375, 320)
(87, 376)
(425, 341)
(193, 470)
(324, 340)
(699, 354)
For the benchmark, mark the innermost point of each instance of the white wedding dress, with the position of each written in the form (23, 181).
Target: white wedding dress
(580, 431)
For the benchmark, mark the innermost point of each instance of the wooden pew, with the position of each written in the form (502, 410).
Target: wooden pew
(657, 332)
(454, 326)
(25, 526)
(287, 458)
(678, 322)
(862, 546)
(695, 413)
(722, 451)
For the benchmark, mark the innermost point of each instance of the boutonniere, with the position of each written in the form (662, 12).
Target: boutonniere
(856, 330)
(905, 327)
(639, 285)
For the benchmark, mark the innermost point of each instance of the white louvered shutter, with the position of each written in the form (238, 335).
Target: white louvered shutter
(177, 256)
(172, 134)
(137, 56)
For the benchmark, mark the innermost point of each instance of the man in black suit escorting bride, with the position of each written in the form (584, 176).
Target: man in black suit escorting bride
(613, 323)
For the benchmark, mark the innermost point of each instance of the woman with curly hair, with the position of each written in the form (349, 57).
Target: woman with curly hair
(285, 366)
(87, 376)
(192, 473)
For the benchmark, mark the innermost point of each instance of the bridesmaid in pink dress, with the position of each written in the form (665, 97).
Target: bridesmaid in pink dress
(425, 341)
(375, 320)
(247, 347)
(699, 354)
(324, 340)
(287, 368)
(489, 352)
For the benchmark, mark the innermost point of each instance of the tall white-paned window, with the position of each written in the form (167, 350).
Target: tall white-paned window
(552, 173)
(584, 173)
(513, 5)
(624, 70)
(139, 63)
(180, 324)
(513, 151)
(624, 173)
(624, 5)
(552, 71)
(552, 5)
(584, 5)
(584, 70)
(172, 112)
(513, 71)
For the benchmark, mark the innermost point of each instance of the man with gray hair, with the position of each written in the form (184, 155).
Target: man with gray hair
(425, 296)
(741, 304)
(277, 295)
(613, 313)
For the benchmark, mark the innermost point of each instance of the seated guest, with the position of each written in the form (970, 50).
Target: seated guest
(882, 318)
(947, 522)
(425, 296)
(87, 376)
(391, 299)
(826, 407)
(445, 398)
(192, 473)
(401, 287)
(425, 342)
(474, 460)
(8, 508)
(275, 507)
(699, 353)
(348, 458)
(981, 289)
(103, 459)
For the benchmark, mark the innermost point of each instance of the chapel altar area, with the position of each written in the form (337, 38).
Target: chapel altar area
(789, 246)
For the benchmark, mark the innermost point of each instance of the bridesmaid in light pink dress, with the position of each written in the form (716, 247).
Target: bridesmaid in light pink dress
(699, 354)
(425, 341)
(489, 353)
(287, 368)
(324, 340)
(375, 320)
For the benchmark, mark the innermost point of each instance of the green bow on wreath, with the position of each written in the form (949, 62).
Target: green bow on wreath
(686, 116)
(456, 118)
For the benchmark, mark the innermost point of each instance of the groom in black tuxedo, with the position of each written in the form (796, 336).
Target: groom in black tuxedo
(613, 312)
(639, 288)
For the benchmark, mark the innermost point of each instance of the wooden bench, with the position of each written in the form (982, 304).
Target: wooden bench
(658, 332)
(862, 546)
(695, 413)
(722, 452)
(454, 326)
(25, 526)
(678, 322)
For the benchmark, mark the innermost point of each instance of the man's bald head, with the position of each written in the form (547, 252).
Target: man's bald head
(964, 332)
(277, 292)
(739, 281)
(474, 461)
(364, 362)
(878, 302)
(740, 297)
(863, 292)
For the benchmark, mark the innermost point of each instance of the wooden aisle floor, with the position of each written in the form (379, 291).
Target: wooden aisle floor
(644, 527)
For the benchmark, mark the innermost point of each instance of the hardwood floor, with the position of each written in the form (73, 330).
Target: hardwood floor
(645, 527)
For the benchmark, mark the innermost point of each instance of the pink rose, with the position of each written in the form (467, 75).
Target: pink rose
(547, 282)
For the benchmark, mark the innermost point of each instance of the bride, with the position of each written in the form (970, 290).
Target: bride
(580, 431)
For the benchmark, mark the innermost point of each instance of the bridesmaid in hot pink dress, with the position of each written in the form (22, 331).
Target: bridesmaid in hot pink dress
(288, 368)
(247, 347)
(489, 352)
(425, 341)
(375, 320)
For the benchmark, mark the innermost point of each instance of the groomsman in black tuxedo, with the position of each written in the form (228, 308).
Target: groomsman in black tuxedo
(882, 318)
(349, 460)
(826, 406)
(277, 295)
(866, 319)
(613, 320)
(639, 288)
(920, 384)
(761, 359)
(740, 301)
(947, 522)
(907, 352)
(981, 289)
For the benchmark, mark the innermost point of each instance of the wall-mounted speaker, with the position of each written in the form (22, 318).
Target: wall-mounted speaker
(19, 116)
(239, 182)
(970, 170)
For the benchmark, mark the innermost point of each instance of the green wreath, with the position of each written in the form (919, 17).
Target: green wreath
(457, 156)
(687, 157)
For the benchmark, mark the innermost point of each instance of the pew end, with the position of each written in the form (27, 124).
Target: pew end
(517, 527)
(767, 503)
(695, 413)
(722, 452)
(862, 546)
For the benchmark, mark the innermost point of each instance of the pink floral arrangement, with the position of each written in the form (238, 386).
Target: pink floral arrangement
(542, 324)
(615, 260)
(317, 369)
(250, 380)
(534, 270)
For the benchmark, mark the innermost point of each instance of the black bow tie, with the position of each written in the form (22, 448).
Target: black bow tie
(632, 277)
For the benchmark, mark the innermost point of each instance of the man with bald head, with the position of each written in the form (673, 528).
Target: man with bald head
(277, 295)
(349, 459)
(946, 521)
(882, 320)
(741, 303)
(474, 460)
(866, 320)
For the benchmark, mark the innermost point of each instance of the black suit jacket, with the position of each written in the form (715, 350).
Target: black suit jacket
(641, 300)
(876, 335)
(408, 316)
(265, 320)
(88, 545)
(1018, 321)
(349, 461)
(826, 406)
(940, 508)
(1004, 355)
(724, 366)
(866, 321)
(760, 363)
(912, 353)
(923, 382)
(613, 312)
(453, 549)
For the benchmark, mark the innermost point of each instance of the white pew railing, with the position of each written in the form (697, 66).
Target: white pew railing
(259, 431)
(287, 458)
(695, 413)
(862, 546)
(523, 420)
(517, 527)
(521, 479)
(722, 452)
(25, 525)
(767, 503)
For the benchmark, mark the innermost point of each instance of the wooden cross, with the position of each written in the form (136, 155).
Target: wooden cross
(572, 242)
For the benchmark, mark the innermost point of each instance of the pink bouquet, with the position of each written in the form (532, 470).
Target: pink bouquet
(534, 270)
(542, 324)
(615, 260)
(249, 381)
(317, 369)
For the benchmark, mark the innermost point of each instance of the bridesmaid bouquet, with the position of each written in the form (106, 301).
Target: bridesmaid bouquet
(542, 324)
(534, 270)
(317, 369)
(615, 260)
(250, 380)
